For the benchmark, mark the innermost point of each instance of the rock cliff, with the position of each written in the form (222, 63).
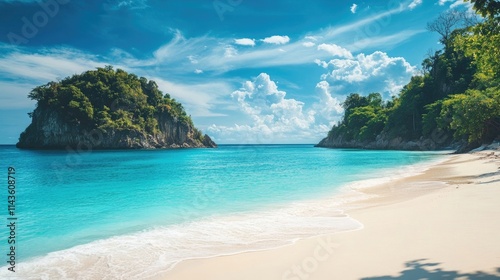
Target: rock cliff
(382, 142)
(49, 130)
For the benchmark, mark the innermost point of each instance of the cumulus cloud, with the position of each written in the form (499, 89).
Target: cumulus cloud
(276, 40)
(335, 50)
(354, 7)
(245, 42)
(198, 71)
(414, 4)
(321, 63)
(328, 108)
(275, 118)
(376, 72)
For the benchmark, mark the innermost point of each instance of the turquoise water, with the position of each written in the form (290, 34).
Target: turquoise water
(111, 197)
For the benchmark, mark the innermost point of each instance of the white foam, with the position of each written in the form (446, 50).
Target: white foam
(151, 252)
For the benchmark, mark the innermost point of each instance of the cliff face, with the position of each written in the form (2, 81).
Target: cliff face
(49, 130)
(382, 142)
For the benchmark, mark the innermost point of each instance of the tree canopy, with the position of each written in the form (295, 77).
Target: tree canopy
(107, 98)
(458, 92)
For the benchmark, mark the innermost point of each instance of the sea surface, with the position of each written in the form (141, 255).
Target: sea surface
(134, 214)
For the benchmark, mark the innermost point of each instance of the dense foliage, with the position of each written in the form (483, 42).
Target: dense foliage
(457, 95)
(110, 99)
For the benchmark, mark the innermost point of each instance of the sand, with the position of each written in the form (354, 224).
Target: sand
(444, 223)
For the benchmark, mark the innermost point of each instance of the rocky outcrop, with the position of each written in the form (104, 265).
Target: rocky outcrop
(49, 130)
(383, 142)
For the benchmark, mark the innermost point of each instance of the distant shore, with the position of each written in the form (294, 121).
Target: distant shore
(440, 224)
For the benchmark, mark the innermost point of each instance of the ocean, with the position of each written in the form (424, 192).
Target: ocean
(135, 214)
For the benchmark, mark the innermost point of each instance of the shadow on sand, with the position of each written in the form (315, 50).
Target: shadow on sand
(422, 269)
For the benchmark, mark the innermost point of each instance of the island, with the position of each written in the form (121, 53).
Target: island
(108, 109)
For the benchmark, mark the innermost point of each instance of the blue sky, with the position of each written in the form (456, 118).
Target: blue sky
(246, 71)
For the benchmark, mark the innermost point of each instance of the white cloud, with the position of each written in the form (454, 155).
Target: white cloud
(459, 3)
(198, 71)
(321, 63)
(376, 72)
(309, 44)
(328, 107)
(335, 50)
(47, 66)
(245, 42)
(354, 7)
(274, 118)
(361, 43)
(414, 4)
(276, 40)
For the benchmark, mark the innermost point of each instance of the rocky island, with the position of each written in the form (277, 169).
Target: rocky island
(108, 109)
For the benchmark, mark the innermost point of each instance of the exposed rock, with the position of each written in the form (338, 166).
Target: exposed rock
(382, 142)
(48, 130)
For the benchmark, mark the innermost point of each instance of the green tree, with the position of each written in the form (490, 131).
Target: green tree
(474, 114)
(108, 98)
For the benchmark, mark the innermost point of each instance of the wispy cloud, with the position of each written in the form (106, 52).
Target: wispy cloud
(383, 41)
(220, 55)
(50, 65)
(354, 7)
(46, 65)
(414, 4)
(125, 4)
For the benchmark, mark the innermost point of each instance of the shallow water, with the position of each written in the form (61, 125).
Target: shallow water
(96, 213)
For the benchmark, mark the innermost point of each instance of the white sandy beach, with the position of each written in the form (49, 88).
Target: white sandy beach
(417, 227)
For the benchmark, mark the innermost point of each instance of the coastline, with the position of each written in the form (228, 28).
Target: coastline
(154, 250)
(441, 223)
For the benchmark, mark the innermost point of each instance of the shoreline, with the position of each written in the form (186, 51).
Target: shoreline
(420, 205)
(274, 226)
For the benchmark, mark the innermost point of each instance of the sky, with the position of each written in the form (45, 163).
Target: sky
(248, 72)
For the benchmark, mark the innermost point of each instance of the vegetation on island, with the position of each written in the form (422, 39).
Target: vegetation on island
(457, 95)
(111, 99)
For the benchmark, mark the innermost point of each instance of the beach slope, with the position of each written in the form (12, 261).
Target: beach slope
(440, 224)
